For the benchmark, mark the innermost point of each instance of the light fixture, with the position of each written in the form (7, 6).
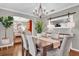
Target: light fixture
(40, 11)
(68, 19)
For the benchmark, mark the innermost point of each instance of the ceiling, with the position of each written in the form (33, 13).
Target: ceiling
(27, 8)
(20, 19)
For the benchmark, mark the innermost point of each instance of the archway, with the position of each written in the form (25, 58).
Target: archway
(22, 24)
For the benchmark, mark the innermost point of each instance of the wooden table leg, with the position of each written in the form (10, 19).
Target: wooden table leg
(43, 51)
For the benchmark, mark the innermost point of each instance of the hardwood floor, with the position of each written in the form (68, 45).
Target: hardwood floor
(16, 50)
(74, 53)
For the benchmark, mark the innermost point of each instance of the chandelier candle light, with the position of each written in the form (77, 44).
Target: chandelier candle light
(40, 12)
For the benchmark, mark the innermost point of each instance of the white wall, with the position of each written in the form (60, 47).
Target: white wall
(75, 42)
(65, 22)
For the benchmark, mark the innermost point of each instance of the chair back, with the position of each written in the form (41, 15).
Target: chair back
(2, 31)
(10, 35)
(62, 30)
(31, 44)
(25, 43)
(65, 46)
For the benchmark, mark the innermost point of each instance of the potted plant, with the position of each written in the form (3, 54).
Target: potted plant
(39, 27)
(6, 21)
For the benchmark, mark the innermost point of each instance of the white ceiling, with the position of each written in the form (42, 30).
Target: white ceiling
(20, 19)
(27, 8)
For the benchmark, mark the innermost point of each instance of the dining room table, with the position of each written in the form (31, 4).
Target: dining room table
(46, 43)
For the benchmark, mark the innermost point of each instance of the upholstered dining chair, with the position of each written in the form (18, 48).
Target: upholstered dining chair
(64, 48)
(31, 45)
(9, 42)
(62, 30)
(24, 44)
(60, 33)
(2, 32)
(10, 36)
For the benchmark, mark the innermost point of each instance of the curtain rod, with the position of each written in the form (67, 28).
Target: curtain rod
(62, 15)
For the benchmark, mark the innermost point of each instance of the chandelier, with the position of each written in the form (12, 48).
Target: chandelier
(39, 12)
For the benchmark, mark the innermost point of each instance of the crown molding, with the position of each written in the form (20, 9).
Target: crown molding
(62, 10)
(14, 11)
(65, 8)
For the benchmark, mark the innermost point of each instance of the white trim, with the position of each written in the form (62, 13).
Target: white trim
(75, 49)
(12, 10)
(65, 8)
(61, 10)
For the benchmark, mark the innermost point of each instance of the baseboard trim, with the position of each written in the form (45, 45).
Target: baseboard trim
(75, 49)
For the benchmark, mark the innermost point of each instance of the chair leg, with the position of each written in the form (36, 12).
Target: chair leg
(27, 53)
(22, 51)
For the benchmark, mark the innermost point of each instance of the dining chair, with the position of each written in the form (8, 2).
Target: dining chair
(59, 33)
(62, 30)
(7, 43)
(10, 37)
(64, 48)
(54, 35)
(31, 45)
(24, 44)
(2, 32)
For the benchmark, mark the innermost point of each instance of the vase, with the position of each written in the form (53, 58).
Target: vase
(39, 35)
(5, 41)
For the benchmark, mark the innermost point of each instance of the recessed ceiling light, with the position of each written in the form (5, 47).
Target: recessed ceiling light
(52, 10)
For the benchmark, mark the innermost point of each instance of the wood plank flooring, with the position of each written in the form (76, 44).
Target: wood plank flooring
(74, 53)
